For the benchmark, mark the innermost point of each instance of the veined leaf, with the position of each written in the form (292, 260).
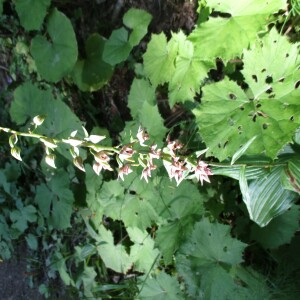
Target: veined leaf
(114, 256)
(242, 150)
(55, 201)
(190, 70)
(202, 258)
(142, 103)
(268, 198)
(142, 253)
(227, 36)
(56, 58)
(32, 13)
(279, 231)
(159, 59)
(293, 174)
(160, 287)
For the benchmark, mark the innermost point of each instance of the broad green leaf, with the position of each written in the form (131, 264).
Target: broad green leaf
(114, 256)
(159, 59)
(30, 101)
(242, 150)
(22, 217)
(142, 103)
(190, 70)
(55, 201)
(279, 231)
(269, 109)
(160, 287)
(142, 252)
(137, 20)
(88, 278)
(140, 92)
(181, 207)
(268, 198)
(150, 118)
(117, 48)
(92, 73)
(121, 42)
(256, 283)
(32, 13)
(271, 70)
(55, 58)
(204, 259)
(293, 174)
(232, 119)
(227, 35)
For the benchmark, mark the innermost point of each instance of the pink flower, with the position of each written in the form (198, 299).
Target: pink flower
(126, 152)
(202, 171)
(147, 172)
(142, 136)
(125, 170)
(154, 153)
(177, 169)
(173, 146)
(101, 162)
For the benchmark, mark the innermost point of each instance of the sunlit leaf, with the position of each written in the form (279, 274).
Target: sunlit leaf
(161, 287)
(234, 29)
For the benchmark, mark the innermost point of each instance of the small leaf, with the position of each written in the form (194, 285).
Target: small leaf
(16, 153)
(48, 142)
(50, 160)
(78, 162)
(73, 142)
(74, 151)
(96, 138)
(13, 139)
(242, 150)
(117, 48)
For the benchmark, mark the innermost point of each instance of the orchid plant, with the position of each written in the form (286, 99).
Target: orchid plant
(139, 152)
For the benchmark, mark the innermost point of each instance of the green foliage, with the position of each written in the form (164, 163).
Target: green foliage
(227, 35)
(279, 231)
(122, 40)
(32, 13)
(30, 101)
(265, 197)
(229, 91)
(55, 201)
(176, 63)
(205, 259)
(92, 73)
(161, 286)
(55, 58)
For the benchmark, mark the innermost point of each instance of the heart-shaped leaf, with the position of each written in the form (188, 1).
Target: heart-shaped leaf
(92, 73)
(56, 57)
(32, 13)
